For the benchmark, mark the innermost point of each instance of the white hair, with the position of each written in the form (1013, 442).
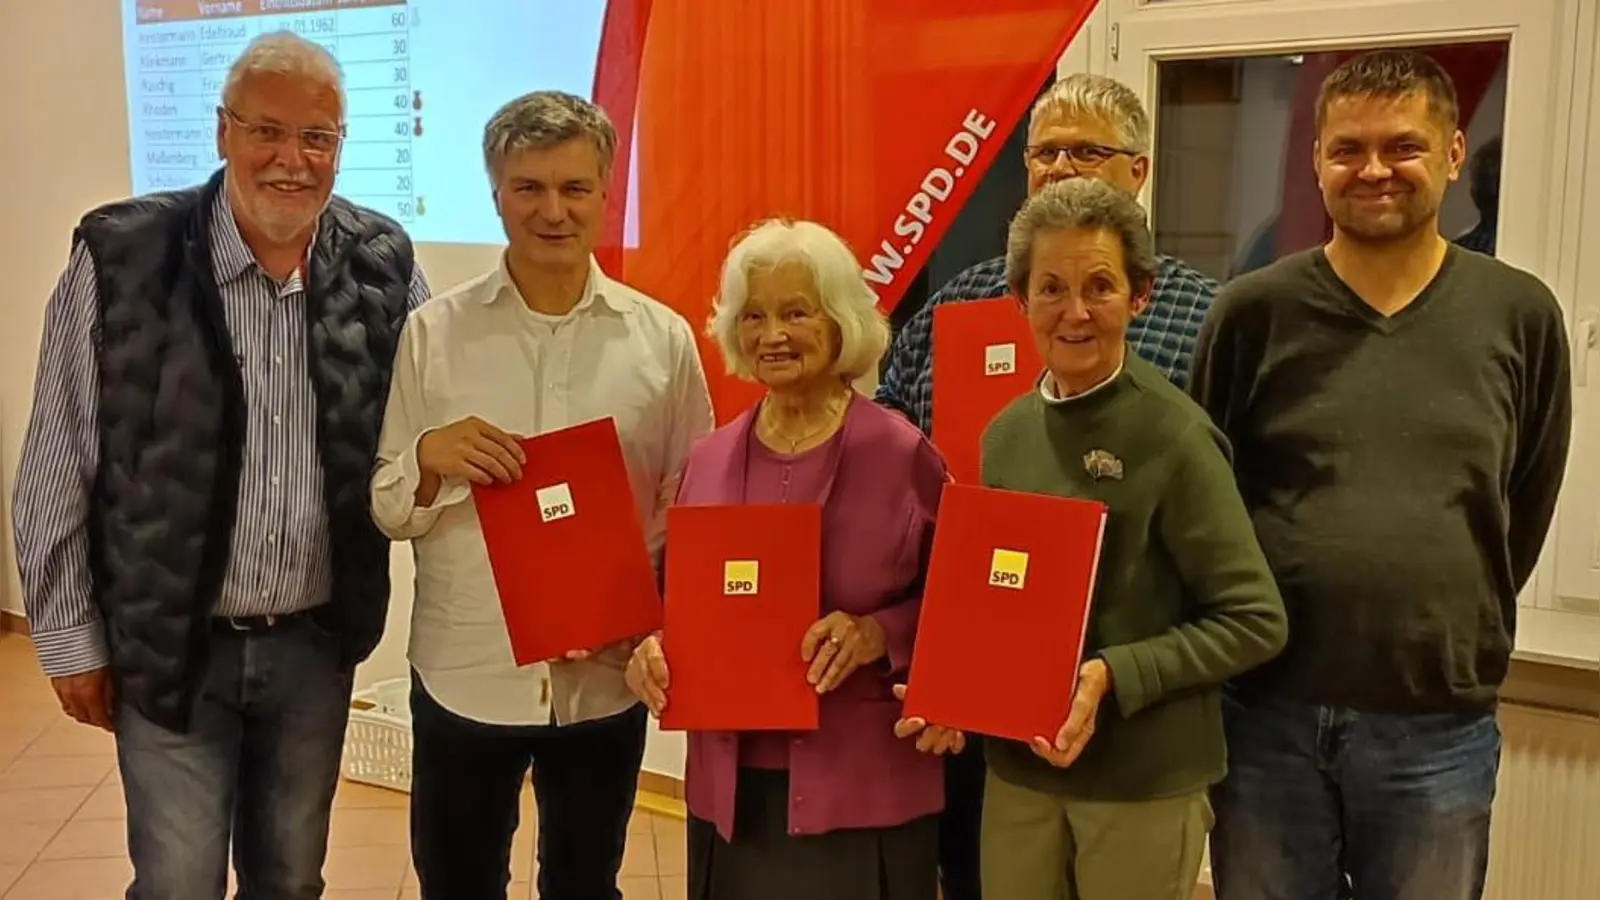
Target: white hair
(285, 53)
(1097, 97)
(846, 298)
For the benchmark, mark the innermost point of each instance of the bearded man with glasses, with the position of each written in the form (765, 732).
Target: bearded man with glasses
(199, 564)
(1083, 126)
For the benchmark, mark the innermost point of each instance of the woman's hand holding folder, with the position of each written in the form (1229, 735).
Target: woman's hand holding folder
(935, 739)
(1094, 680)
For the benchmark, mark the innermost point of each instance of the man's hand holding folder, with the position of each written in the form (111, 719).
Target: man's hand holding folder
(647, 675)
(581, 655)
(470, 449)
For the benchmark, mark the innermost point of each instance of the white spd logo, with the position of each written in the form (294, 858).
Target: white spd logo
(1000, 359)
(555, 502)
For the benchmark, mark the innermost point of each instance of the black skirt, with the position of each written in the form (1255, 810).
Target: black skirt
(765, 862)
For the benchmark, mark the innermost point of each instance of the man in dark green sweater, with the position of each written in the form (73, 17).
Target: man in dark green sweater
(1114, 806)
(1400, 413)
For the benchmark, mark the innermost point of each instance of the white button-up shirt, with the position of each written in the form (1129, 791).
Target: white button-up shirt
(478, 350)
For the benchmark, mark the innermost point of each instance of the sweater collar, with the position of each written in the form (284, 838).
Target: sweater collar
(1095, 398)
(1050, 390)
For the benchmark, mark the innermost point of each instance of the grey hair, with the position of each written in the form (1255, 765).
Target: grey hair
(1088, 203)
(1097, 97)
(544, 119)
(846, 298)
(284, 53)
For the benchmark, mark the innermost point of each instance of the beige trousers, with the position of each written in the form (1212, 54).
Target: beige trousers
(1039, 846)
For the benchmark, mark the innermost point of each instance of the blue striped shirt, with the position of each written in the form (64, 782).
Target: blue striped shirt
(1164, 334)
(279, 560)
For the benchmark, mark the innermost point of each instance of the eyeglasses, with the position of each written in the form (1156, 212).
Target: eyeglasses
(272, 134)
(1082, 157)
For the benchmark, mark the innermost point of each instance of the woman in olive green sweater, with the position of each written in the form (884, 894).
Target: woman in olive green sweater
(1114, 806)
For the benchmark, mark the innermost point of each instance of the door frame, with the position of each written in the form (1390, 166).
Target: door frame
(1577, 546)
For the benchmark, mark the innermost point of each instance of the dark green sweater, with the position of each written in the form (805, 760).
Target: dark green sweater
(1402, 472)
(1183, 600)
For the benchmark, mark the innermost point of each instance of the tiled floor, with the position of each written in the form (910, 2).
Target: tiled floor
(62, 834)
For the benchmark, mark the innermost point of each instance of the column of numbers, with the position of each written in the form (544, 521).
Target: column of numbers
(386, 113)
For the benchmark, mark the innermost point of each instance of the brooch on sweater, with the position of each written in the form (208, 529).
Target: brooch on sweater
(1100, 464)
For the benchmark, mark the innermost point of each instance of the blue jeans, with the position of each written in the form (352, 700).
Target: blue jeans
(1326, 804)
(258, 768)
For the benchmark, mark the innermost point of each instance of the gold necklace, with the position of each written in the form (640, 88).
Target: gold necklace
(834, 409)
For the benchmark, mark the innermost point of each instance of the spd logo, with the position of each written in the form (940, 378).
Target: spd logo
(741, 577)
(555, 502)
(1008, 569)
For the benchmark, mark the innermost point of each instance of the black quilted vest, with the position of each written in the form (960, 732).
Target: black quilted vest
(172, 430)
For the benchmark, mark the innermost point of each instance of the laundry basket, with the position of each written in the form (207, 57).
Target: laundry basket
(377, 742)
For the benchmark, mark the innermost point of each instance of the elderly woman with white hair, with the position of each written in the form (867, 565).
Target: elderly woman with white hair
(847, 811)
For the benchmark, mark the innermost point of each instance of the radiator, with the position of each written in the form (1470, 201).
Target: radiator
(1545, 841)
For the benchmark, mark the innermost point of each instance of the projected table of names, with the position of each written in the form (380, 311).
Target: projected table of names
(183, 50)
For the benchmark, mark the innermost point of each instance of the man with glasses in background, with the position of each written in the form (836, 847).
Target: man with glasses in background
(199, 564)
(1094, 127)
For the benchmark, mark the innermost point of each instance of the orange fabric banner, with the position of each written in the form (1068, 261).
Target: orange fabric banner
(875, 118)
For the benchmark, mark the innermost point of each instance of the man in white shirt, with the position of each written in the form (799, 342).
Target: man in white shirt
(542, 342)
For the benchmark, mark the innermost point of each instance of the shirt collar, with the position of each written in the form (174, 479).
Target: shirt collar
(597, 290)
(230, 256)
(1048, 389)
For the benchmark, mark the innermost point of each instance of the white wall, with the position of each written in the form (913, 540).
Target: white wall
(58, 66)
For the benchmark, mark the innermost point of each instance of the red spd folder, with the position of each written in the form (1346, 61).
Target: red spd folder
(566, 546)
(743, 586)
(1004, 612)
(984, 357)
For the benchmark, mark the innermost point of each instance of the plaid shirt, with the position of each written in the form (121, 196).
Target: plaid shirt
(1164, 334)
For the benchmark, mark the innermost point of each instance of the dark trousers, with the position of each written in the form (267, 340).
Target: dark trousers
(960, 825)
(256, 770)
(764, 861)
(1325, 804)
(465, 785)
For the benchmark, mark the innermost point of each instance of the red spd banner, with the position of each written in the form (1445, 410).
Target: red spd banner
(875, 118)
